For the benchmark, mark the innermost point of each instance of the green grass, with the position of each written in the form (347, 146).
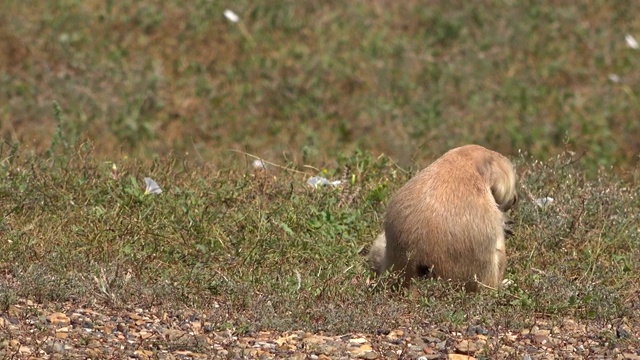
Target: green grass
(366, 92)
(276, 253)
(308, 82)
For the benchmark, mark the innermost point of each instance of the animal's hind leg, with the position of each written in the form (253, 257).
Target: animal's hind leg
(499, 263)
(494, 268)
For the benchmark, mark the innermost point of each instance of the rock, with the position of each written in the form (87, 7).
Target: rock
(430, 357)
(316, 339)
(430, 339)
(122, 327)
(196, 326)
(390, 354)
(285, 340)
(623, 332)
(395, 334)
(13, 311)
(476, 330)
(459, 357)
(540, 339)
(369, 355)
(13, 344)
(248, 353)
(466, 347)
(93, 353)
(361, 350)
(358, 341)
(58, 318)
(143, 354)
(57, 347)
(325, 349)
(541, 332)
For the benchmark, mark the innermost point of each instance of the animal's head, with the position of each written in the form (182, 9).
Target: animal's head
(501, 177)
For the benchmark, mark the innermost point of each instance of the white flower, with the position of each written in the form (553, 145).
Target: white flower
(507, 283)
(319, 180)
(631, 41)
(614, 78)
(544, 202)
(233, 17)
(115, 175)
(152, 186)
(259, 164)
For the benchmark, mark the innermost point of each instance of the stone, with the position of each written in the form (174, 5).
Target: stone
(466, 347)
(459, 357)
(358, 341)
(24, 350)
(623, 332)
(370, 355)
(58, 318)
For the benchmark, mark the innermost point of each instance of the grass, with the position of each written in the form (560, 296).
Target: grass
(276, 253)
(311, 82)
(366, 92)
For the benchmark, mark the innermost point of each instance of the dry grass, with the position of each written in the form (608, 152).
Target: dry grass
(308, 82)
(165, 89)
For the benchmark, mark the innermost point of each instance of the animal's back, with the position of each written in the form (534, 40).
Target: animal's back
(443, 222)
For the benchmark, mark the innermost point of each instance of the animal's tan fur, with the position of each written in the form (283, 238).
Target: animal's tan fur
(448, 221)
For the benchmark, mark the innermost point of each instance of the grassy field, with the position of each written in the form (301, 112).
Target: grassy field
(95, 96)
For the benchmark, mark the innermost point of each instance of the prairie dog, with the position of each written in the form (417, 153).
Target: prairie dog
(448, 221)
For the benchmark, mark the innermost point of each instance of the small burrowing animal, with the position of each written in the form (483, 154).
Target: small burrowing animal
(448, 221)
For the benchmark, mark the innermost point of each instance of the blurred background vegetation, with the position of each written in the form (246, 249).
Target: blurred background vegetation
(306, 81)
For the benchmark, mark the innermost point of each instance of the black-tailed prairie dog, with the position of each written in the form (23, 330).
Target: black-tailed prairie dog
(448, 221)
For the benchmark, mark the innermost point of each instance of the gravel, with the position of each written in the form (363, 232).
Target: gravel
(29, 330)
